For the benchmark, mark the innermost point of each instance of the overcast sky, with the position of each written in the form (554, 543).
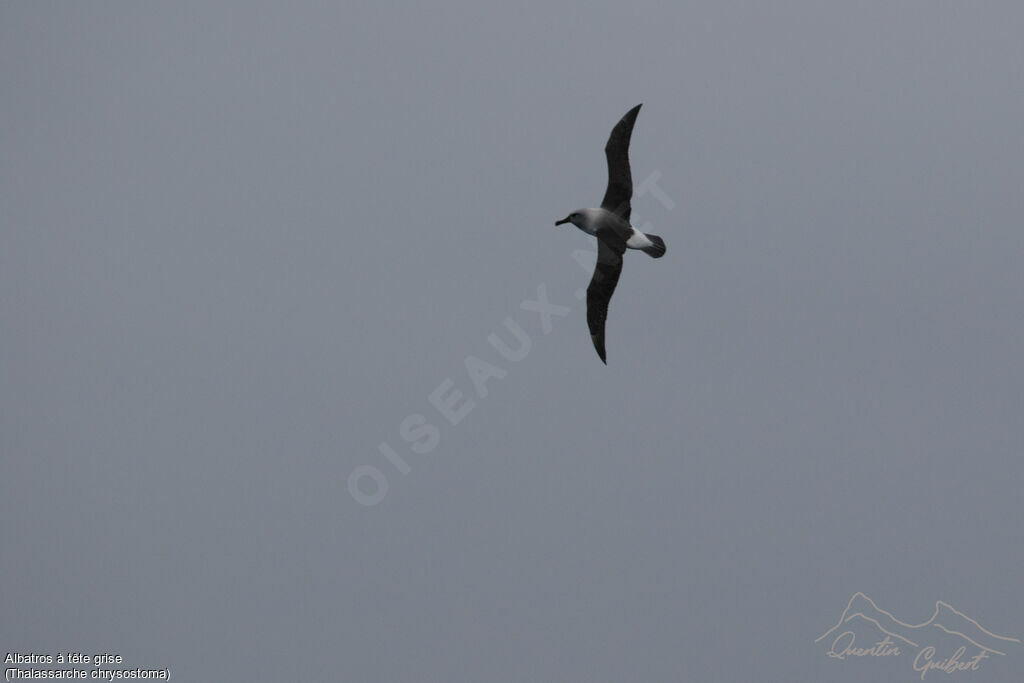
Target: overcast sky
(242, 245)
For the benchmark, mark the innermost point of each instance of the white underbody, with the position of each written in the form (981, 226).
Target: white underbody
(638, 240)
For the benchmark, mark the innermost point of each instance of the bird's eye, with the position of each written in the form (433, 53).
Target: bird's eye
(573, 215)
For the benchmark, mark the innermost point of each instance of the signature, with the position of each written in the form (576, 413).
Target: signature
(895, 637)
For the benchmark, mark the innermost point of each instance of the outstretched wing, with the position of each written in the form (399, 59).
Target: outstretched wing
(602, 285)
(620, 180)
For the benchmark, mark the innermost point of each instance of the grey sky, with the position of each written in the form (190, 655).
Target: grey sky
(242, 242)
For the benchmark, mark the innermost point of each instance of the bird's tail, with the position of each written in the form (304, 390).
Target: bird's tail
(657, 247)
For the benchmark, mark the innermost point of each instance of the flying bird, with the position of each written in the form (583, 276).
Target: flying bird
(610, 225)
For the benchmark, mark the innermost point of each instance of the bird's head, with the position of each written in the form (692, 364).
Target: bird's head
(576, 217)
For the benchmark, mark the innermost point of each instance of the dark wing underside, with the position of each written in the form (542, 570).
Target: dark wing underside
(620, 181)
(602, 285)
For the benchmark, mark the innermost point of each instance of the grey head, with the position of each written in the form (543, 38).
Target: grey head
(573, 218)
(586, 220)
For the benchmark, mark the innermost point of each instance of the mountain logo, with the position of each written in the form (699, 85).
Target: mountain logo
(949, 641)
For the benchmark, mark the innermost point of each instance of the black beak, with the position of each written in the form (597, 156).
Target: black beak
(564, 220)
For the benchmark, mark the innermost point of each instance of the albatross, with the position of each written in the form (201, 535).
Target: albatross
(610, 225)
